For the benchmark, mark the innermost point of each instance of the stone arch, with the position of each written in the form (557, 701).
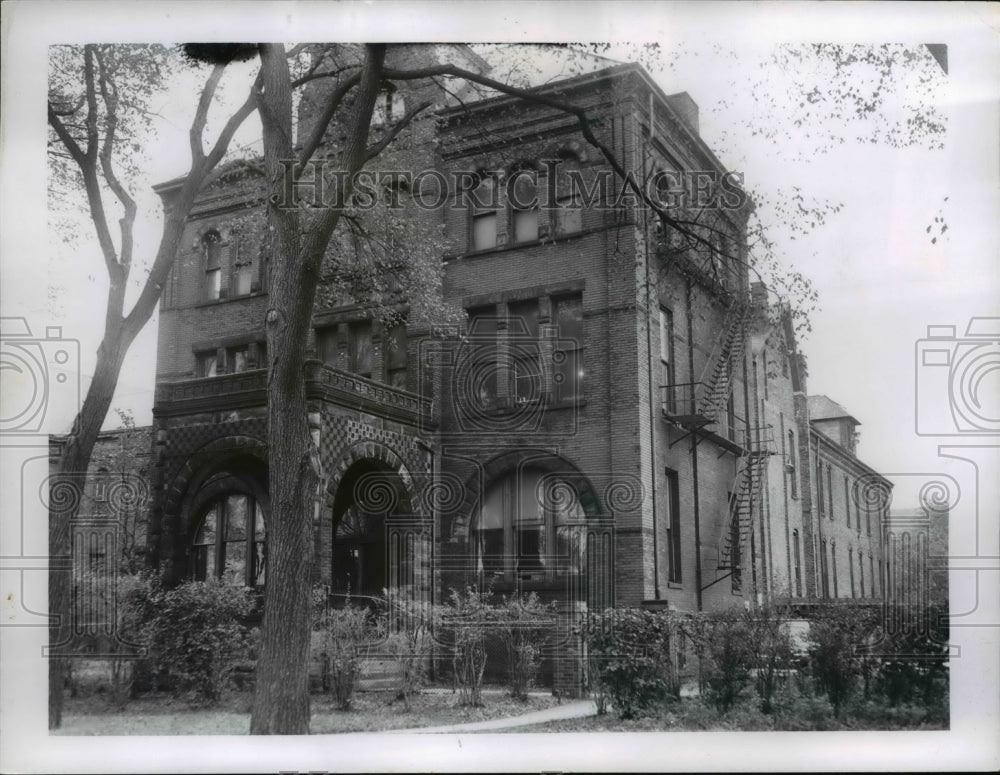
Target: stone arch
(206, 461)
(369, 450)
(505, 463)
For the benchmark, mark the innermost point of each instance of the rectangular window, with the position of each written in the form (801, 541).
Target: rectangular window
(793, 478)
(242, 279)
(568, 216)
(833, 567)
(796, 564)
(819, 486)
(395, 357)
(667, 357)
(526, 225)
(861, 571)
(829, 487)
(523, 197)
(824, 571)
(673, 528)
(482, 345)
(567, 354)
(208, 364)
(360, 347)
(850, 567)
(522, 349)
(484, 231)
(847, 501)
(212, 245)
(876, 580)
(483, 213)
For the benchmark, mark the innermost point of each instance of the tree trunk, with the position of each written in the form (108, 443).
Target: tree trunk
(281, 694)
(65, 493)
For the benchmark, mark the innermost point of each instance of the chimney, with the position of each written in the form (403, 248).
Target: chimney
(686, 108)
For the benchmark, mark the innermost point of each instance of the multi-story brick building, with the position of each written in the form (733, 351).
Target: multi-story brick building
(610, 422)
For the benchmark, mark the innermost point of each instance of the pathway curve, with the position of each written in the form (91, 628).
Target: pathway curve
(575, 709)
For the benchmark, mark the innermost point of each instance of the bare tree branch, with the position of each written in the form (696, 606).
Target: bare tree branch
(376, 148)
(201, 114)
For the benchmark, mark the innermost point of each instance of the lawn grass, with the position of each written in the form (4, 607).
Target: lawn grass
(371, 712)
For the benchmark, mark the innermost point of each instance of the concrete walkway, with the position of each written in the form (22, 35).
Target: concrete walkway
(575, 709)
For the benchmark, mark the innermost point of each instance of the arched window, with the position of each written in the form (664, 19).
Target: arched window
(230, 541)
(530, 526)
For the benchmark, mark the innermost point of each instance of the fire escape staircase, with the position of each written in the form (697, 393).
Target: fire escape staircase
(695, 405)
(745, 497)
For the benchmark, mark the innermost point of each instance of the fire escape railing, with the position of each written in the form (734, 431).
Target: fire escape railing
(745, 495)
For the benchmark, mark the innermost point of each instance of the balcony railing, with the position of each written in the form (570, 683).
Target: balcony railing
(249, 389)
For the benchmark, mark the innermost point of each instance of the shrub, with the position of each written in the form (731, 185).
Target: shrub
(632, 657)
(133, 593)
(468, 616)
(197, 634)
(346, 637)
(523, 623)
(770, 652)
(410, 624)
(728, 646)
(837, 654)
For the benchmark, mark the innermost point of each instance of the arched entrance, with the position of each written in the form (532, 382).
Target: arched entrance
(363, 562)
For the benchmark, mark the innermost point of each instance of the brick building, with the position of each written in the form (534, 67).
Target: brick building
(614, 420)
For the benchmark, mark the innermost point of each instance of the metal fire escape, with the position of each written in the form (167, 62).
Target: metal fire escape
(745, 497)
(695, 406)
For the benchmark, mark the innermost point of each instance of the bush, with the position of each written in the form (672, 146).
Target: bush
(632, 658)
(729, 648)
(523, 623)
(410, 625)
(467, 617)
(837, 654)
(197, 635)
(346, 637)
(770, 652)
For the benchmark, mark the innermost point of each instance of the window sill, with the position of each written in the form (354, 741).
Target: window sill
(214, 302)
(527, 244)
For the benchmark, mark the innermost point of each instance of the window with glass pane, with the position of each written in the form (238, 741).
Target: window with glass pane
(522, 340)
(242, 278)
(667, 356)
(482, 352)
(208, 364)
(484, 214)
(568, 215)
(793, 479)
(396, 357)
(212, 246)
(568, 352)
(529, 526)
(795, 561)
(230, 542)
(203, 550)
(360, 347)
(523, 197)
(673, 528)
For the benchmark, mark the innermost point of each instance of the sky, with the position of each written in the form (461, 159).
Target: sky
(881, 281)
